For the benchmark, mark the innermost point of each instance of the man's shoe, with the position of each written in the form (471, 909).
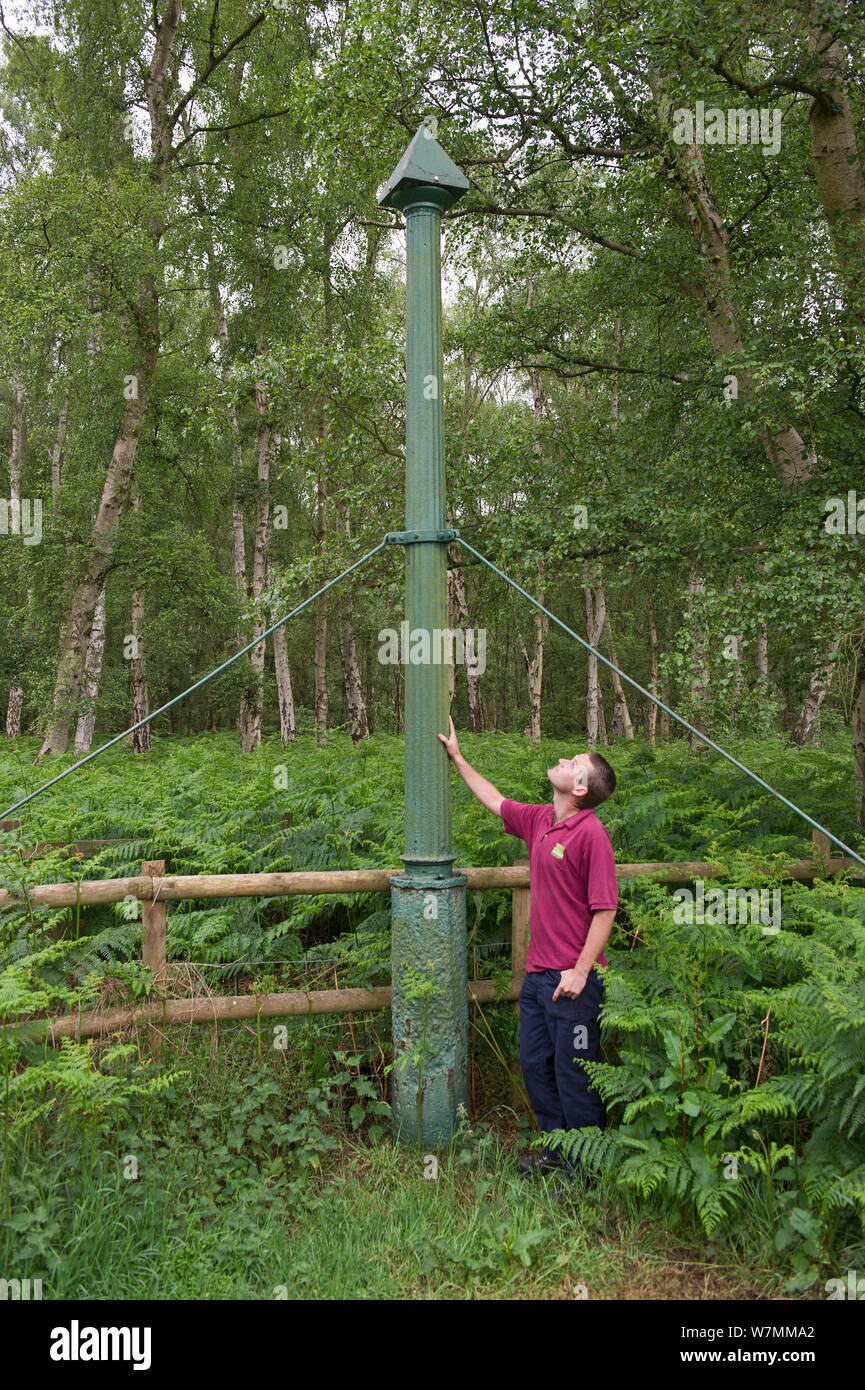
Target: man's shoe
(536, 1164)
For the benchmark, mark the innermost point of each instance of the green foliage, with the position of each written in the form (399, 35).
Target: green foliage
(689, 1085)
(683, 1024)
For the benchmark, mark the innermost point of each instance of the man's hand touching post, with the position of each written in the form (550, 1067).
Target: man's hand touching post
(452, 747)
(486, 793)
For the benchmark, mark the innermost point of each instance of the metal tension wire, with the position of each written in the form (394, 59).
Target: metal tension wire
(655, 701)
(443, 537)
(198, 684)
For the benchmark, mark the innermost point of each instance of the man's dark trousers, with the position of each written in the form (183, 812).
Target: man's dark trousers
(552, 1036)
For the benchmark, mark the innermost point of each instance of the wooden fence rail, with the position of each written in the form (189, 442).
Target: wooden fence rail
(172, 888)
(154, 888)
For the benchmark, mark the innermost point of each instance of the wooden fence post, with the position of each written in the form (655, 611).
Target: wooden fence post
(153, 917)
(520, 902)
(822, 847)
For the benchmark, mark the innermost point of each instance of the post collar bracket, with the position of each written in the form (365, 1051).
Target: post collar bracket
(420, 537)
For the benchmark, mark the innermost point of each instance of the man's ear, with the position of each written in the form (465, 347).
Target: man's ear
(581, 783)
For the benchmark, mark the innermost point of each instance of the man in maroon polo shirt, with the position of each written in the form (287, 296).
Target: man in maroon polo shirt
(573, 905)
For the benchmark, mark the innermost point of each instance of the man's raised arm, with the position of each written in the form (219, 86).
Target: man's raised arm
(485, 792)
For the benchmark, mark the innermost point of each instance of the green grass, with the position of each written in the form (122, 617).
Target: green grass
(361, 1219)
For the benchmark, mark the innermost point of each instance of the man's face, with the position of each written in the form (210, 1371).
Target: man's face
(571, 775)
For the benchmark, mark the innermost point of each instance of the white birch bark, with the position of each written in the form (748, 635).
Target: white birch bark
(92, 673)
(461, 619)
(285, 696)
(145, 352)
(268, 445)
(138, 667)
(652, 712)
(699, 680)
(805, 729)
(596, 613)
(15, 702)
(320, 656)
(358, 721)
(622, 715)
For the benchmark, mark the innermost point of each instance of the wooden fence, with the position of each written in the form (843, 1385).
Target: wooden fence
(154, 888)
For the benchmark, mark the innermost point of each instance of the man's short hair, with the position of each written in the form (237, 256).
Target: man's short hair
(601, 781)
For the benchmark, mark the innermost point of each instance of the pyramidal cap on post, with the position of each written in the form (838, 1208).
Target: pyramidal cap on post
(424, 165)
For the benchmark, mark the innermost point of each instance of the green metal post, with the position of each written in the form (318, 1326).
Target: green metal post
(430, 1016)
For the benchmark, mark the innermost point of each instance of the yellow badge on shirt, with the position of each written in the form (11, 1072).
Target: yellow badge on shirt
(558, 851)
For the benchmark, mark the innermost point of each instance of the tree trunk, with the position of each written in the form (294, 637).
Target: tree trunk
(237, 521)
(268, 445)
(320, 658)
(95, 649)
(138, 675)
(699, 683)
(137, 388)
(621, 721)
(837, 166)
(398, 700)
(92, 672)
(16, 692)
(239, 542)
(287, 728)
(351, 675)
(736, 704)
(138, 666)
(535, 665)
(461, 616)
(540, 622)
(762, 677)
(453, 622)
(621, 714)
(596, 613)
(652, 713)
(805, 728)
(348, 650)
(95, 567)
(13, 712)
